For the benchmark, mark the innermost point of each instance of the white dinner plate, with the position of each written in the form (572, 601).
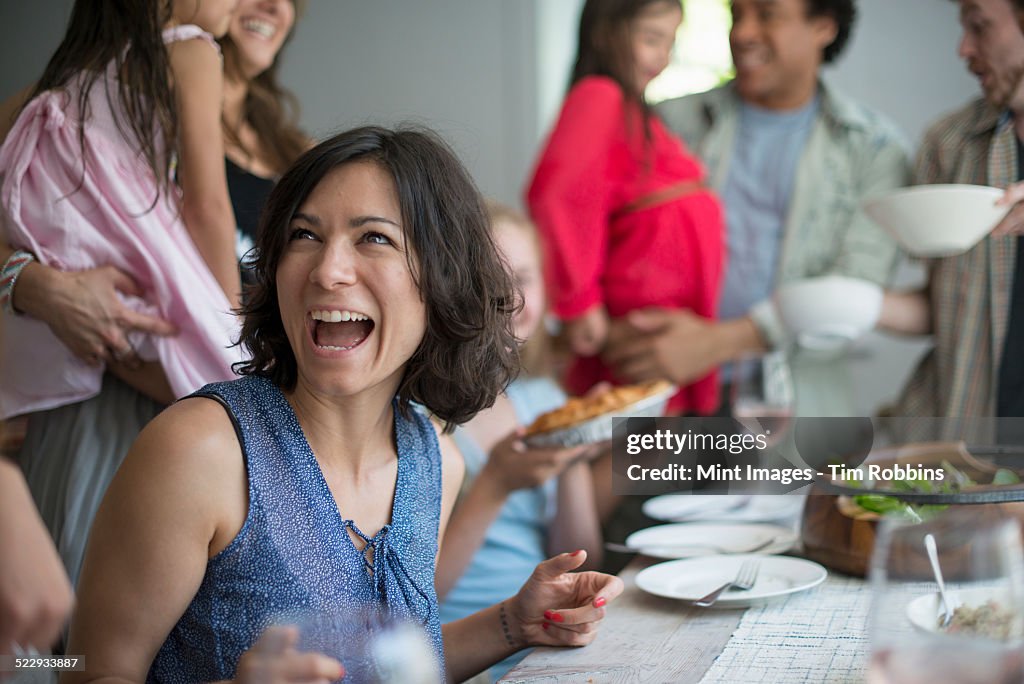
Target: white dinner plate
(730, 507)
(689, 540)
(694, 578)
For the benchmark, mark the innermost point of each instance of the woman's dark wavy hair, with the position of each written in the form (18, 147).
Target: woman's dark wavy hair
(127, 33)
(844, 12)
(604, 47)
(271, 109)
(468, 352)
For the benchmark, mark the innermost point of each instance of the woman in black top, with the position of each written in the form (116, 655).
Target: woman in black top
(261, 138)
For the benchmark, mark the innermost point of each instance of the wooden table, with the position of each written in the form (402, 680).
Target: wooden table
(643, 638)
(815, 637)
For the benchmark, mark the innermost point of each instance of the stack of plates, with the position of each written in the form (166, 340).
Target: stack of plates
(712, 552)
(688, 540)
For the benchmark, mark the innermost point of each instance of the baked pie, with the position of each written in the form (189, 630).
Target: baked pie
(581, 409)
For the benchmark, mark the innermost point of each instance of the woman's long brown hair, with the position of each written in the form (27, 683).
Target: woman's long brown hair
(271, 109)
(127, 34)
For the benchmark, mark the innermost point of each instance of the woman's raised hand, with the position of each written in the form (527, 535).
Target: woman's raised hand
(274, 658)
(559, 607)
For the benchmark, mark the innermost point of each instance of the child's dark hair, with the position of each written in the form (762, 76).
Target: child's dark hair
(605, 49)
(127, 34)
(604, 42)
(468, 353)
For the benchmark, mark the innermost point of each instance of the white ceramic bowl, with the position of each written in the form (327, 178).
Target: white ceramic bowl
(937, 220)
(924, 611)
(830, 311)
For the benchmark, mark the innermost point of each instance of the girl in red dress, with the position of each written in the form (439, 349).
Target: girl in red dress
(619, 201)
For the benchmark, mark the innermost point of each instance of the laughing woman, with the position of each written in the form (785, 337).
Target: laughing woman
(312, 483)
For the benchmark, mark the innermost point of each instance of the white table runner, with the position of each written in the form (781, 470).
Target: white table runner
(813, 637)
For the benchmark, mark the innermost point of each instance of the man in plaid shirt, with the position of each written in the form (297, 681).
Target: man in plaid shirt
(973, 303)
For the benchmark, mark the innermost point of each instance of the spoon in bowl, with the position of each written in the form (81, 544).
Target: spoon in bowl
(933, 557)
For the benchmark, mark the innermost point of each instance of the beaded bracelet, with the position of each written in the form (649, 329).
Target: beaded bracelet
(12, 268)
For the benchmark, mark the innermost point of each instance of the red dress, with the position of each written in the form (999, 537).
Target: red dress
(597, 164)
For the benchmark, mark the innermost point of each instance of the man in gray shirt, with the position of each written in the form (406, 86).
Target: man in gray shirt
(792, 160)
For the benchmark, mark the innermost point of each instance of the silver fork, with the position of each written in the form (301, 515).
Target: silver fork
(745, 579)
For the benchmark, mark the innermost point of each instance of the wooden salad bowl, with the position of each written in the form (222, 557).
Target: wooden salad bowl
(840, 535)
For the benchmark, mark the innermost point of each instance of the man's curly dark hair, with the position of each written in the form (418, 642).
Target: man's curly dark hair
(845, 14)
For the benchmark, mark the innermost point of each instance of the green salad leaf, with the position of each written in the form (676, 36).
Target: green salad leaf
(955, 481)
(1005, 477)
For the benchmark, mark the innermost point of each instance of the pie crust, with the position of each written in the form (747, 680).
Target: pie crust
(581, 409)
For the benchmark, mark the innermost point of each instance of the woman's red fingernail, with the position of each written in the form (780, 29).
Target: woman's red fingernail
(600, 601)
(547, 614)
(576, 552)
(545, 625)
(555, 617)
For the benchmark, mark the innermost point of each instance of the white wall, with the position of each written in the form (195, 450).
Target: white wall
(902, 61)
(556, 25)
(463, 67)
(29, 33)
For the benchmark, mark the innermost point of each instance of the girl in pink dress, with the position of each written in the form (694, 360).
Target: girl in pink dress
(117, 160)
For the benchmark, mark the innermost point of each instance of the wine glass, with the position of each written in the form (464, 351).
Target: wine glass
(762, 395)
(374, 645)
(982, 561)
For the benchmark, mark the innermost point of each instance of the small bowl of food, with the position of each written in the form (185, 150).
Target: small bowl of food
(937, 220)
(979, 612)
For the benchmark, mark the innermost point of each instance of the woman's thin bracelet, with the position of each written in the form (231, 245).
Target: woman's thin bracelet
(9, 273)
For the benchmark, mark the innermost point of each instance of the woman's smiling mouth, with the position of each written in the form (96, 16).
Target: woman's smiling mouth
(339, 329)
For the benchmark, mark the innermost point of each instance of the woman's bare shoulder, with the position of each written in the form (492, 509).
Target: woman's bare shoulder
(193, 439)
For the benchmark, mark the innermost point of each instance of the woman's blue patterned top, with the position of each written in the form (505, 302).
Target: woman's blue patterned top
(294, 561)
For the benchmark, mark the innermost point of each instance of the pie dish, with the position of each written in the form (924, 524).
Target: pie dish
(585, 420)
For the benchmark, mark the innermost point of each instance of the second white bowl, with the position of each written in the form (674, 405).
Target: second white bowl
(937, 220)
(829, 311)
